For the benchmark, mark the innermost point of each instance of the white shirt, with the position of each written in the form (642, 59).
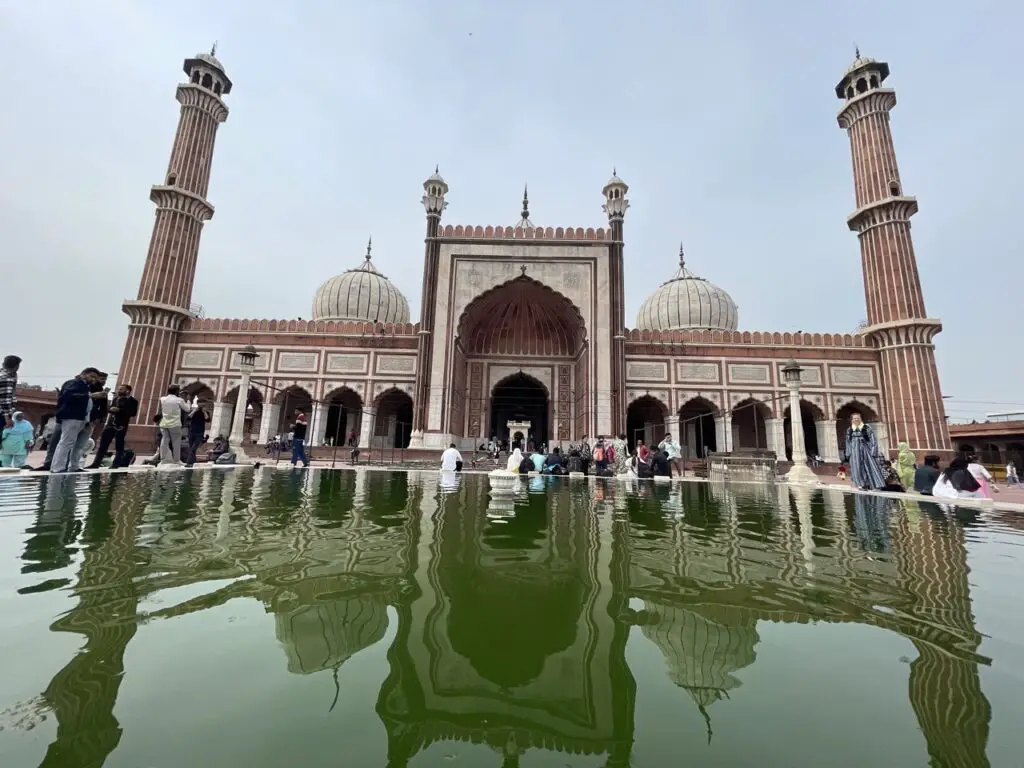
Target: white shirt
(979, 472)
(1011, 471)
(448, 459)
(171, 408)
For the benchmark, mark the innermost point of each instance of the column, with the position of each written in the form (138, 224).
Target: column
(672, 428)
(319, 425)
(882, 436)
(366, 430)
(220, 419)
(828, 441)
(775, 438)
(268, 422)
(723, 433)
(351, 424)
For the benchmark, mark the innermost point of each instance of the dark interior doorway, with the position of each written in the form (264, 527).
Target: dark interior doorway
(520, 398)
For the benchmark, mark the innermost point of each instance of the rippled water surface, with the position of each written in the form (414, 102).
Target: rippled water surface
(321, 618)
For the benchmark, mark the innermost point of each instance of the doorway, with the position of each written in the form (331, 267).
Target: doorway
(520, 398)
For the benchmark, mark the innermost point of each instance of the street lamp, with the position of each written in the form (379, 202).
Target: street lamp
(800, 472)
(246, 363)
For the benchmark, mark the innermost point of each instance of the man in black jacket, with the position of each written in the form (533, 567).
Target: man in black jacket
(121, 412)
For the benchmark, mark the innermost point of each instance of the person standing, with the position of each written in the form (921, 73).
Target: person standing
(906, 465)
(15, 440)
(1011, 474)
(983, 476)
(299, 439)
(9, 386)
(196, 434)
(173, 411)
(673, 452)
(586, 455)
(451, 459)
(100, 397)
(74, 407)
(862, 456)
(121, 412)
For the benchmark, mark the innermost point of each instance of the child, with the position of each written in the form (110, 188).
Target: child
(17, 437)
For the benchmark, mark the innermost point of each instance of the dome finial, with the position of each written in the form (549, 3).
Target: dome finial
(526, 204)
(682, 257)
(856, 51)
(369, 247)
(213, 48)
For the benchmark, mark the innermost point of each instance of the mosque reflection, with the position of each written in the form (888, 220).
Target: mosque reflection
(512, 617)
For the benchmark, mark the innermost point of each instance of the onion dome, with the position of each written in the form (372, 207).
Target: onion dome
(361, 294)
(686, 301)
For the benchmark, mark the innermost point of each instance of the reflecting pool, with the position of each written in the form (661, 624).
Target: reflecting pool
(324, 618)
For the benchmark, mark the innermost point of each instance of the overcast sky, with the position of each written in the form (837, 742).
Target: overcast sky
(720, 115)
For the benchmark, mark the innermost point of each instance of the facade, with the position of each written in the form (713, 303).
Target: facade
(522, 328)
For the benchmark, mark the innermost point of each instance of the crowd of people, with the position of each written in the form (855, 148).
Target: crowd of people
(606, 457)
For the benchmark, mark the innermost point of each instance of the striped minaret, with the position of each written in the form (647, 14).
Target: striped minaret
(165, 291)
(897, 321)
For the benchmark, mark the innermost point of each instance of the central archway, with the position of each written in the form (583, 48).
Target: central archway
(520, 398)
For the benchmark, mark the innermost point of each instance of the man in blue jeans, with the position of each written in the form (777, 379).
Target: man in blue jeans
(299, 439)
(74, 407)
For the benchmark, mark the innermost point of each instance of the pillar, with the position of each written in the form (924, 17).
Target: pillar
(828, 441)
(882, 436)
(723, 432)
(319, 426)
(268, 422)
(220, 419)
(366, 430)
(775, 437)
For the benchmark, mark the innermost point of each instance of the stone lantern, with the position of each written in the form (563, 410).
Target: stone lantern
(246, 363)
(800, 473)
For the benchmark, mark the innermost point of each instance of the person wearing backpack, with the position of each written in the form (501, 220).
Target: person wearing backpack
(600, 463)
(586, 455)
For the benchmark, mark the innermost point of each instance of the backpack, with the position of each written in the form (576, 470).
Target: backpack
(609, 453)
(585, 450)
(599, 453)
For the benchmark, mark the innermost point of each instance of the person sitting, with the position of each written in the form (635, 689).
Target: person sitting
(538, 460)
(956, 482)
(515, 460)
(451, 459)
(526, 465)
(220, 445)
(575, 465)
(554, 464)
(926, 475)
(639, 467)
(660, 465)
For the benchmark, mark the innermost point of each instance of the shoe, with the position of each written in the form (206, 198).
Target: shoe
(40, 468)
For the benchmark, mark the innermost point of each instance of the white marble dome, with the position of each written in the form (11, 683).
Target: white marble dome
(686, 301)
(360, 294)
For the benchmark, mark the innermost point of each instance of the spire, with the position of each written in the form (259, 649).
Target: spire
(526, 204)
(856, 51)
(682, 257)
(437, 168)
(213, 48)
(369, 247)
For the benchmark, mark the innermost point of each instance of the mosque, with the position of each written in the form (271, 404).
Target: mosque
(522, 329)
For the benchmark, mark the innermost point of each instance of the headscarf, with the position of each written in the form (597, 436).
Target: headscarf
(905, 461)
(21, 426)
(515, 460)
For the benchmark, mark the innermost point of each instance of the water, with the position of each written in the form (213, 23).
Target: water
(278, 618)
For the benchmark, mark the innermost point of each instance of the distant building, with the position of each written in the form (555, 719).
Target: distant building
(525, 325)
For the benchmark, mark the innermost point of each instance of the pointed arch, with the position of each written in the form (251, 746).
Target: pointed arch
(344, 417)
(843, 415)
(750, 424)
(392, 419)
(645, 420)
(697, 426)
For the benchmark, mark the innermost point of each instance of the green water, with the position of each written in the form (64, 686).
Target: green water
(319, 618)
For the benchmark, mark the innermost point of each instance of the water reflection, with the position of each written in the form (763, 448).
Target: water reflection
(513, 615)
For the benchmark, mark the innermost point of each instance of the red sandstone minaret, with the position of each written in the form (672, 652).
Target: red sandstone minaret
(165, 291)
(897, 321)
(615, 205)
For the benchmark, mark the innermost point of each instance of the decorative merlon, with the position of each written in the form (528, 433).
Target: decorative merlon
(888, 210)
(747, 338)
(334, 327)
(600, 234)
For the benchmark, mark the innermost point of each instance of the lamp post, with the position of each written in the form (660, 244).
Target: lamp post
(800, 472)
(246, 363)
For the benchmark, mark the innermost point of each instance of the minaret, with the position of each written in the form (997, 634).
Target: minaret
(165, 291)
(897, 322)
(615, 205)
(434, 191)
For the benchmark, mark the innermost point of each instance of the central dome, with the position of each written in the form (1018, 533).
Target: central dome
(361, 294)
(686, 301)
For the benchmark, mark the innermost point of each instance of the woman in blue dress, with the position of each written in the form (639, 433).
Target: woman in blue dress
(862, 456)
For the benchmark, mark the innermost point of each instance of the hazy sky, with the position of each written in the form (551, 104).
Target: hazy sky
(719, 114)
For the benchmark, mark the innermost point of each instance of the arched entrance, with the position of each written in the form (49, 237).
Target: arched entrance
(201, 392)
(645, 420)
(697, 427)
(344, 416)
(290, 399)
(749, 425)
(521, 324)
(809, 414)
(392, 420)
(520, 398)
(843, 416)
